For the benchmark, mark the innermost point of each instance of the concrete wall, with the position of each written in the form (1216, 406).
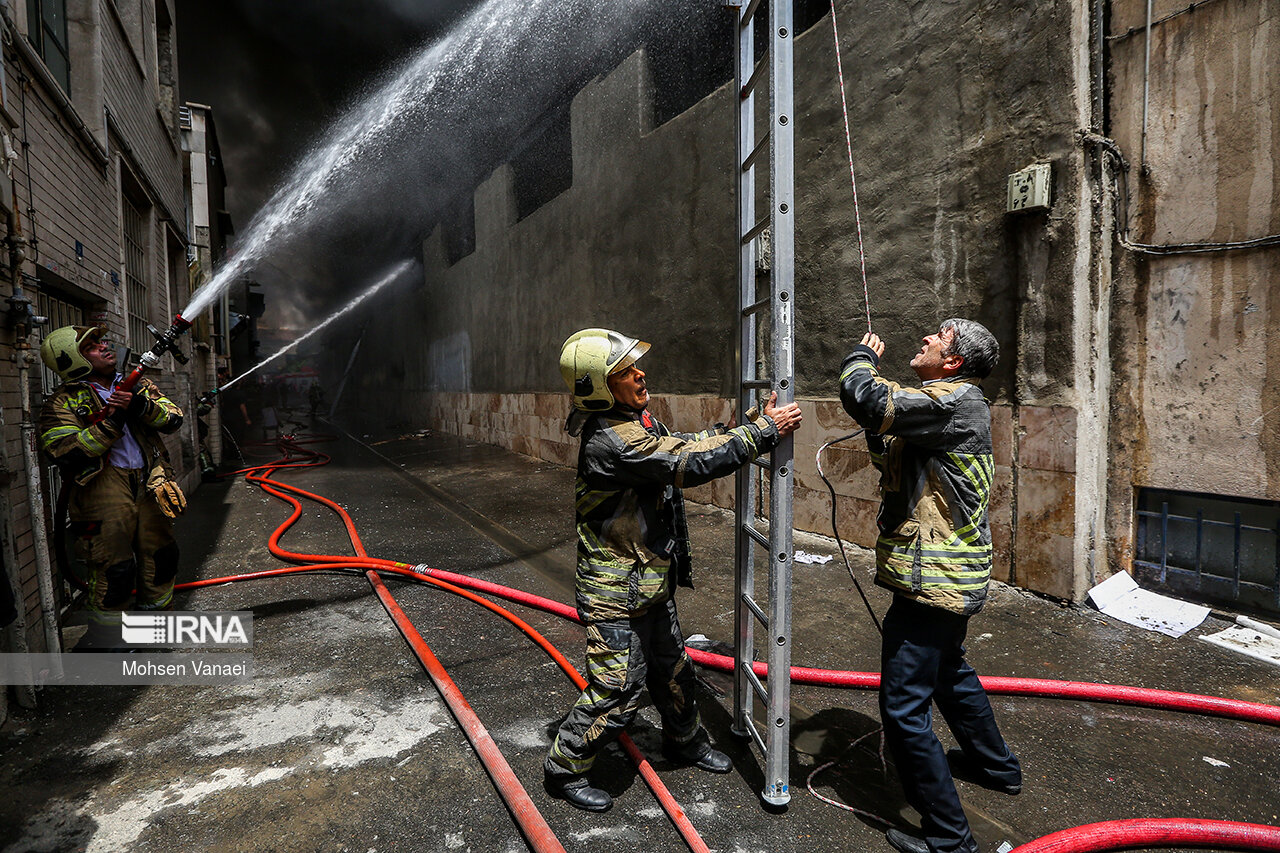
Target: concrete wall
(1197, 357)
(946, 101)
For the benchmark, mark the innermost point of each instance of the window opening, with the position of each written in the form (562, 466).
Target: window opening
(135, 273)
(47, 32)
(1218, 548)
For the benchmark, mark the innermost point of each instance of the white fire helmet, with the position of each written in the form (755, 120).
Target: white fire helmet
(589, 357)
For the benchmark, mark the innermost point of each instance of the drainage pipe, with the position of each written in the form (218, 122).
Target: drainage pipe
(35, 500)
(20, 308)
(1157, 832)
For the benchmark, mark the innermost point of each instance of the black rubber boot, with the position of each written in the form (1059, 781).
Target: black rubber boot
(699, 753)
(577, 792)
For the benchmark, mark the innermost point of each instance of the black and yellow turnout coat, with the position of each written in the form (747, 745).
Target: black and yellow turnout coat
(632, 535)
(80, 448)
(932, 446)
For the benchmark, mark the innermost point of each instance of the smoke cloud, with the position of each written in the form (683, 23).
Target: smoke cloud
(287, 80)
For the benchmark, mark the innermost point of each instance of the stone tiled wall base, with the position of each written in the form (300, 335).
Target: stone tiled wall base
(533, 424)
(1045, 526)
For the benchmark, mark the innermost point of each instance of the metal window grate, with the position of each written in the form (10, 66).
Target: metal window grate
(135, 274)
(60, 313)
(1217, 548)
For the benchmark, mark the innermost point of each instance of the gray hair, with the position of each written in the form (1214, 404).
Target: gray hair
(973, 343)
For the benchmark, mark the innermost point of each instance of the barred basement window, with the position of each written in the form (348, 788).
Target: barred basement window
(135, 275)
(1214, 547)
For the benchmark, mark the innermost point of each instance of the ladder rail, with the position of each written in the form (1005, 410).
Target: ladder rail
(777, 225)
(745, 491)
(782, 273)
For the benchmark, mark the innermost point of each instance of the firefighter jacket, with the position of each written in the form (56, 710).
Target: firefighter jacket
(632, 533)
(932, 446)
(81, 448)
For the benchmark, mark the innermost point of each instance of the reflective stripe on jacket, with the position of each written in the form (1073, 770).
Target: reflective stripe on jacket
(932, 446)
(81, 448)
(630, 511)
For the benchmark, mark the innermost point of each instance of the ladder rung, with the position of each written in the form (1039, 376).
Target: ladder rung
(756, 306)
(756, 684)
(749, 13)
(756, 737)
(755, 231)
(750, 85)
(757, 383)
(764, 543)
(762, 462)
(755, 608)
(761, 147)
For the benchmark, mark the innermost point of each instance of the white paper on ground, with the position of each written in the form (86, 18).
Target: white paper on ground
(1247, 641)
(1120, 597)
(802, 557)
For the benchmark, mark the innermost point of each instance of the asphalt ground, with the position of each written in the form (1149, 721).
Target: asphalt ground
(341, 743)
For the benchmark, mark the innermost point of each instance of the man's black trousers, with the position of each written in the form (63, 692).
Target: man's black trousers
(921, 662)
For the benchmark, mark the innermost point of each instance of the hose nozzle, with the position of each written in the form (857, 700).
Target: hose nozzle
(167, 342)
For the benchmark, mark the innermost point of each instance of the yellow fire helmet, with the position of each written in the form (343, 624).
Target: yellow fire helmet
(589, 357)
(60, 350)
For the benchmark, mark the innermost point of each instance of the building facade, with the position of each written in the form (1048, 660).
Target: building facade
(1133, 408)
(97, 232)
(209, 225)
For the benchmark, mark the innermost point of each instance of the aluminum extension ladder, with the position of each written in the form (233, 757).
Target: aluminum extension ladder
(771, 732)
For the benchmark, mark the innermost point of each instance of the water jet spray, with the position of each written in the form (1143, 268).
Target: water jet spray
(392, 275)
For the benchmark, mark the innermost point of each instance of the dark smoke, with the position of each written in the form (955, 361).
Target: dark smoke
(281, 75)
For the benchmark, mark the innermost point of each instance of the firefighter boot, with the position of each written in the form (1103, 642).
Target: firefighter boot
(577, 792)
(699, 753)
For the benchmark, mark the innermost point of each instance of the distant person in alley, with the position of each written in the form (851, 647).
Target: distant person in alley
(107, 443)
(932, 446)
(633, 549)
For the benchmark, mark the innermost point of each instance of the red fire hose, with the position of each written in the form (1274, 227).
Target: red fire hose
(1157, 832)
(512, 792)
(1119, 694)
(1114, 835)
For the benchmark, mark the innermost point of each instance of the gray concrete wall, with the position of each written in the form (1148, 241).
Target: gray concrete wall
(1196, 396)
(946, 101)
(644, 237)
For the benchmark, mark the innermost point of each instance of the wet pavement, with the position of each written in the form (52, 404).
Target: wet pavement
(340, 742)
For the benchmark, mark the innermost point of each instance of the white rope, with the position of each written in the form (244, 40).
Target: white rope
(869, 815)
(848, 141)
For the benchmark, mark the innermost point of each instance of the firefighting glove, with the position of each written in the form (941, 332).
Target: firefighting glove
(169, 497)
(138, 406)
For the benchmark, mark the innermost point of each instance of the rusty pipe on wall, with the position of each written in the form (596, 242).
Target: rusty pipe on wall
(23, 317)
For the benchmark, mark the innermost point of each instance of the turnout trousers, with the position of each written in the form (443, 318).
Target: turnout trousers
(126, 543)
(922, 662)
(624, 656)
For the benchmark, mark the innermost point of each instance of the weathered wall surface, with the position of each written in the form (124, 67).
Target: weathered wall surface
(67, 186)
(1197, 402)
(946, 100)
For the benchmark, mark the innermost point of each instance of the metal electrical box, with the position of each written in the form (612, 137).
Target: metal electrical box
(1029, 189)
